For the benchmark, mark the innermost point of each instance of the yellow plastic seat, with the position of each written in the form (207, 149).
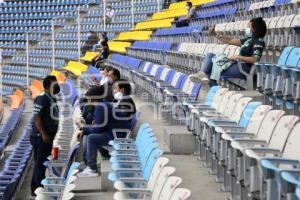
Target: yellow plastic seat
(134, 36)
(76, 68)
(169, 13)
(61, 78)
(161, 23)
(90, 56)
(182, 4)
(119, 47)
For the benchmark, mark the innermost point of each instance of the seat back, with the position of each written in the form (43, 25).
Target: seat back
(169, 187)
(257, 118)
(145, 150)
(71, 158)
(181, 194)
(282, 131)
(160, 163)
(222, 104)
(248, 113)
(269, 124)
(161, 180)
(211, 95)
(240, 108)
(217, 99)
(284, 55)
(231, 104)
(291, 149)
(148, 167)
(176, 82)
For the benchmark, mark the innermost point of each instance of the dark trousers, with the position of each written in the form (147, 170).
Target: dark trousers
(41, 151)
(95, 142)
(182, 23)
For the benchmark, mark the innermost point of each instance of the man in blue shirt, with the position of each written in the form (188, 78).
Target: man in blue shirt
(44, 128)
(108, 116)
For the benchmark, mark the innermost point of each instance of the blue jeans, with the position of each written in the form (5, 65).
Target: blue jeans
(96, 46)
(95, 142)
(232, 72)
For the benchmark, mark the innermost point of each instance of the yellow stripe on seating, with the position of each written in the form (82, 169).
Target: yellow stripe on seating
(75, 68)
(119, 47)
(162, 23)
(170, 13)
(90, 56)
(182, 4)
(134, 35)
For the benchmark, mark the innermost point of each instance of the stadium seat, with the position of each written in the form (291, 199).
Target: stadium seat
(76, 68)
(89, 56)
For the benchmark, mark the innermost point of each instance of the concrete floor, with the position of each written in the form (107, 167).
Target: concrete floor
(188, 167)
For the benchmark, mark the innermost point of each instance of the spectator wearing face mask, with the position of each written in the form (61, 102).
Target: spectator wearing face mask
(107, 117)
(113, 76)
(251, 50)
(103, 75)
(44, 128)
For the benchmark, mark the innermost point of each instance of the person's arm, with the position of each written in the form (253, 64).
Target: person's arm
(246, 59)
(258, 48)
(39, 125)
(101, 115)
(38, 108)
(226, 40)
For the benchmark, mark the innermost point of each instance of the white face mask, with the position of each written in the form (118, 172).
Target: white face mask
(248, 32)
(118, 95)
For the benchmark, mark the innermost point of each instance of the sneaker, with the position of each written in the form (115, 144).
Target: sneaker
(88, 172)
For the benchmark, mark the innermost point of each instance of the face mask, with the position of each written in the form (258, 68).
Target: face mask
(248, 32)
(118, 95)
(110, 80)
(56, 89)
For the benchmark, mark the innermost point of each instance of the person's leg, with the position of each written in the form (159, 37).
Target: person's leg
(41, 151)
(95, 142)
(207, 64)
(234, 72)
(181, 23)
(84, 141)
(95, 46)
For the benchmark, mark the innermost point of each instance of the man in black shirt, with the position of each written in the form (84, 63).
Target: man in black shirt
(44, 128)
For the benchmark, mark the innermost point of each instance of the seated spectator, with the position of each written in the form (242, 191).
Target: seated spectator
(184, 21)
(88, 45)
(104, 53)
(94, 96)
(215, 66)
(101, 37)
(110, 14)
(104, 76)
(113, 76)
(107, 116)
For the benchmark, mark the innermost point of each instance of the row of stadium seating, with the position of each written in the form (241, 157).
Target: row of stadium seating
(66, 45)
(16, 165)
(155, 172)
(18, 4)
